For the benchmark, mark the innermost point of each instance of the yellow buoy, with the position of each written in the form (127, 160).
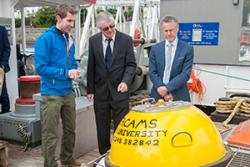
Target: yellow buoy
(174, 134)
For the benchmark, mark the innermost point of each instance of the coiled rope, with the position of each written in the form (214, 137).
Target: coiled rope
(233, 106)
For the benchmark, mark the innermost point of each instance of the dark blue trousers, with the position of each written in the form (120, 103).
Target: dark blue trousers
(4, 98)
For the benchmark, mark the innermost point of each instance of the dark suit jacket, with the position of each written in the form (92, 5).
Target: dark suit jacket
(180, 72)
(102, 81)
(4, 49)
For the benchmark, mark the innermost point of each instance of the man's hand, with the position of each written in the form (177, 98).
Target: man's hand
(90, 97)
(162, 91)
(168, 97)
(74, 74)
(122, 87)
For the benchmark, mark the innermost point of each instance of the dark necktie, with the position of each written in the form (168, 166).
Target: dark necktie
(108, 54)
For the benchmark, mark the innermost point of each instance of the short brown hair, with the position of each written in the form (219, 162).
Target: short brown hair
(168, 19)
(63, 9)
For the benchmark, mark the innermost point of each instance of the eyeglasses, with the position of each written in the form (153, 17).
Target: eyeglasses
(109, 27)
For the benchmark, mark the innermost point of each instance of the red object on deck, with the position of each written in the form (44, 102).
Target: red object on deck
(25, 101)
(91, 1)
(29, 85)
(30, 78)
(241, 135)
(137, 35)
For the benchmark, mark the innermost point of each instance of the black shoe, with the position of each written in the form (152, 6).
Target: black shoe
(73, 163)
(3, 112)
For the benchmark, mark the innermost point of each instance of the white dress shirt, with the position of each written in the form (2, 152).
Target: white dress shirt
(105, 43)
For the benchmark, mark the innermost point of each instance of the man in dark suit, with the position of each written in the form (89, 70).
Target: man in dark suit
(111, 68)
(170, 64)
(4, 64)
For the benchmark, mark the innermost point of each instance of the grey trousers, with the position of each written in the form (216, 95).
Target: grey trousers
(52, 108)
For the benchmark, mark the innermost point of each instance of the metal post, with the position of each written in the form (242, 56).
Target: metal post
(23, 28)
(93, 27)
(120, 18)
(117, 15)
(135, 18)
(148, 20)
(124, 21)
(77, 31)
(84, 36)
(153, 23)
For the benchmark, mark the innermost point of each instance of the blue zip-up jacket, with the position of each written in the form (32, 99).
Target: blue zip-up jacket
(52, 62)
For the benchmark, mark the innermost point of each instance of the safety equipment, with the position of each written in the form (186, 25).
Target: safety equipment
(195, 85)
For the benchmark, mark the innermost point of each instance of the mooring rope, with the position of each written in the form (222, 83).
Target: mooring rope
(233, 106)
(221, 74)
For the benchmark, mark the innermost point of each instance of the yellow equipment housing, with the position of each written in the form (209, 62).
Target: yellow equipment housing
(167, 134)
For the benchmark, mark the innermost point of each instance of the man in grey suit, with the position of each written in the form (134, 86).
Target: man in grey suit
(111, 68)
(170, 64)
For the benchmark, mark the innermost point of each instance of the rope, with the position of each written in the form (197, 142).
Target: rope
(221, 74)
(136, 100)
(233, 106)
(236, 109)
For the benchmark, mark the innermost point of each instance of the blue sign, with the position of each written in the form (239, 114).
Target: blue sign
(199, 33)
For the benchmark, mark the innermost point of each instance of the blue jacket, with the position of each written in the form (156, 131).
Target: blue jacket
(52, 62)
(179, 74)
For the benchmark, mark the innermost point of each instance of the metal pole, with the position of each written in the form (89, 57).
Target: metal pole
(85, 29)
(23, 28)
(153, 23)
(77, 31)
(117, 15)
(93, 27)
(124, 21)
(120, 18)
(135, 18)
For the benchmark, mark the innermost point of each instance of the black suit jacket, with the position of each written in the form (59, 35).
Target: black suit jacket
(4, 49)
(103, 82)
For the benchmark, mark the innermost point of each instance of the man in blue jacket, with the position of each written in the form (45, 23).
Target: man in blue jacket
(4, 64)
(170, 64)
(55, 63)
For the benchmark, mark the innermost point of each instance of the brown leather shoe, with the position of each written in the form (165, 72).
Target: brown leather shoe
(73, 163)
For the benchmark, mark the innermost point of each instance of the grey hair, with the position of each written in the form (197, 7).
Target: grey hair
(168, 19)
(102, 17)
